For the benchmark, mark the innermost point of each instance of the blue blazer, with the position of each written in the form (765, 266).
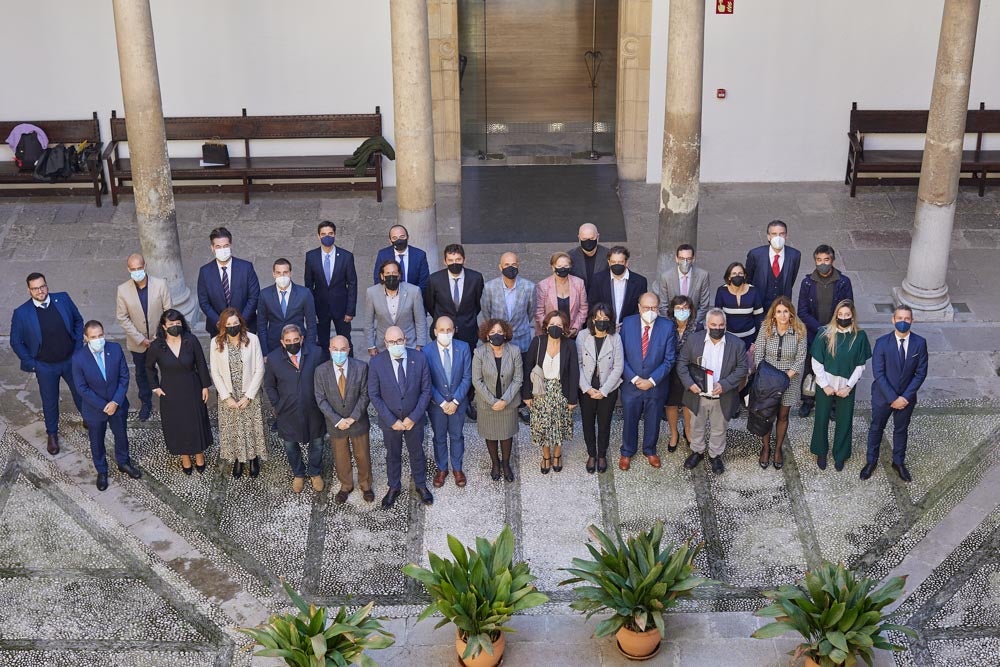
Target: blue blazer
(300, 311)
(758, 266)
(95, 391)
(891, 381)
(26, 332)
(842, 289)
(244, 290)
(340, 297)
(445, 389)
(659, 357)
(417, 271)
(383, 389)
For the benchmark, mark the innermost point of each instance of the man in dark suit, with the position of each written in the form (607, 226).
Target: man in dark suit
(399, 386)
(648, 343)
(283, 303)
(899, 364)
(227, 281)
(589, 257)
(773, 268)
(45, 331)
(719, 362)
(100, 374)
(450, 363)
(289, 382)
(331, 277)
(617, 286)
(341, 386)
(457, 292)
(412, 261)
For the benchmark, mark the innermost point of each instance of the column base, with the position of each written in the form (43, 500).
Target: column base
(925, 309)
(422, 227)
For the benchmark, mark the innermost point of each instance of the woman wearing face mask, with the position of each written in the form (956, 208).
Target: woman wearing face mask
(839, 354)
(602, 361)
(742, 304)
(551, 389)
(781, 343)
(237, 365)
(563, 292)
(179, 375)
(496, 378)
(681, 311)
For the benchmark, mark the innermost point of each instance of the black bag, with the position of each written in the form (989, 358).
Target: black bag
(215, 154)
(55, 164)
(82, 156)
(27, 151)
(758, 424)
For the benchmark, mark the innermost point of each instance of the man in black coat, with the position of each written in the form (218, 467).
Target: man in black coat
(618, 286)
(289, 382)
(333, 280)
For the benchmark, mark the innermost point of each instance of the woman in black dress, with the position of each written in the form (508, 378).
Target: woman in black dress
(180, 377)
(681, 311)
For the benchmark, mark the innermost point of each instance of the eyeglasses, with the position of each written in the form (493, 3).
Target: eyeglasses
(398, 341)
(40, 288)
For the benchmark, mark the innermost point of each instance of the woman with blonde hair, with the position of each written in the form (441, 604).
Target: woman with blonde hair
(781, 343)
(838, 354)
(563, 292)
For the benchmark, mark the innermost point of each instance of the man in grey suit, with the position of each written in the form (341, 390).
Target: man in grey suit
(393, 302)
(589, 257)
(687, 280)
(341, 386)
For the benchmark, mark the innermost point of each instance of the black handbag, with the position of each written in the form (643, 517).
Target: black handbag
(214, 154)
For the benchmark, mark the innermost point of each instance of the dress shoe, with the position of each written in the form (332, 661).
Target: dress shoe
(145, 411)
(625, 462)
(838, 465)
(591, 464)
(298, 483)
(821, 462)
(439, 478)
(471, 413)
(341, 497)
(237, 469)
(692, 461)
(425, 496)
(129, 470)
(764, 461)
(508, 474)
(368, 495)
(53, 444)
(805, 409)
(654, 460)
(869, 468)
(187, 471)
(460, 480)
(602, 464)
(317, 483)
(557, 467)
(778, 465)
(525, 416)
(903, 473)
(102, 481)
(255, 466)
(716, 462)
(390, 498)
(495, 473)
(672, 448)
(200, 468)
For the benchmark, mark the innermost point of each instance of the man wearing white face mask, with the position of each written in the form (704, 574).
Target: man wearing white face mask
(773, 268)
(283, 303)
(225, 282)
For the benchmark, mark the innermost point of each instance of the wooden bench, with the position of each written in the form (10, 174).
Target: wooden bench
(245, 172)
(977, 163)
(58, 132)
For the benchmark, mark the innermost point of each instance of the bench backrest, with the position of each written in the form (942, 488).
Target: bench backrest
(908, 121)
(60, 131)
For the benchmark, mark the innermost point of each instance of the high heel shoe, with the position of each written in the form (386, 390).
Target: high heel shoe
(255, 466)
(673, 447)
(778, 464)
(602, 464)
(557, 468)
(237, 469)
(200, 468)
(495, 471)
(591, 464)
(508, 474)
(187, 471)
(764, 461)
(545, 465)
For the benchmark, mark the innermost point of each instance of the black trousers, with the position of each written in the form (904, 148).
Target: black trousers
(596, 416)
(341, 328)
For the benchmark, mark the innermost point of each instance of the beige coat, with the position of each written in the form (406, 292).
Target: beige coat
(253, 368)
(130, 315)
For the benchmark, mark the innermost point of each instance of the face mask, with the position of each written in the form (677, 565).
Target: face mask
(175, 330)
(562, 271)
(684, 265)
(777, 242)
(902, 327)
(618, 269)
(496, 340)
(400, 245)
(445, 338)
(455, 268)
(509, 272)
(233, 331)
(844, 322)
(293, 348)
(716, 334)
(282, 282)
(391, 282)
(396, 351)
(96, 344)
(555, 331)
(681, 315)
(339, 357)
(223, 254)
(138, 276)
(737, 281)
(602, 325)
(588, 244)
(824, 269)
(328, 241)
(649, 316)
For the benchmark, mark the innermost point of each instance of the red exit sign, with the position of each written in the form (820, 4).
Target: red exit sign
(724, 6)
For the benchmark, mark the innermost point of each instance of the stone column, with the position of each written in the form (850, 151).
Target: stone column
(442, 16)
(155, 212)
(682, 130)
(632, 103)
(411, 98)
(925, 288)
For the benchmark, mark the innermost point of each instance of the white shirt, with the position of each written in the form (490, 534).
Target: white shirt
(711, 358)
(770, 258)
(288, 294)
(297, 357)
(404, 258)
(228, 266)
(550, 366)
(341, 370)
(42, 304)
(906, 343)
(331, 252)
(681, 277)
(451, 352)
(461, 285)
(618, 286)
(835, 382)
(643, 325)
(392, 302)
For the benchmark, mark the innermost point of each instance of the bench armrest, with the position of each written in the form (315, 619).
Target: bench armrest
(856, 146)
(109, 150)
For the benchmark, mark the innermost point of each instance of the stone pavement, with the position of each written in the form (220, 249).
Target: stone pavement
(193, 557)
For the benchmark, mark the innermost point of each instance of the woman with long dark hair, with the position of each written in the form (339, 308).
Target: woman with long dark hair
(599, 349)
(551, 389)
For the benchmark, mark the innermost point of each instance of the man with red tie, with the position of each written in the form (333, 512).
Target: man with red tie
(773, 268)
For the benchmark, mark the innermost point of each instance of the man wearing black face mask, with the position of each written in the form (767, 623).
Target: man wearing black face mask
(589, 256)
(333, 280)
(618, 286)
(821, 290)
(412, 260)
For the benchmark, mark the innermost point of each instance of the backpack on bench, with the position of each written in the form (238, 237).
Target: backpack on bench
(28, 151)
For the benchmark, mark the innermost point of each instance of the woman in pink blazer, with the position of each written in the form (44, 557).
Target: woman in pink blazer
(562, 292)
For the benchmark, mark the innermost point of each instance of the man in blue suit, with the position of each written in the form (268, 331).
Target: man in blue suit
(773, 268)
(412, 261)
(227, 281)
(45, 331)
(331, 277)
(283, 303)
(100, 374)
(450, 362)
(648, 341)
(399, 386)
(899, 363)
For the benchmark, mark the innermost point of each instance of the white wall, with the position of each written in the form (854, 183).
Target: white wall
(792, 69)
(214, 56)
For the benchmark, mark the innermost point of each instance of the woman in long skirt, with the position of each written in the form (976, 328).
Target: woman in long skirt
(553, 366)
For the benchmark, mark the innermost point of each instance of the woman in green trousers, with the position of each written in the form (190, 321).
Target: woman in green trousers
(839, 354)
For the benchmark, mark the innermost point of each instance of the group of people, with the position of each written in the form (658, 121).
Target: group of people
(451, 346)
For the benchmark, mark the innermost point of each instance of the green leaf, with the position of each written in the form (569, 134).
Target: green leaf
(838, 640)
(609, 627)
(772, 630)
(910, 632)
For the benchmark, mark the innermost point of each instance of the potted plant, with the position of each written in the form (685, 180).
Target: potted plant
(636, 580)
(478, 591)
(310, 639)
(838, 614)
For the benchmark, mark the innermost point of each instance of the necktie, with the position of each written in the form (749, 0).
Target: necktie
(295, 361)
(775, 267)
(100, 362)
(327, 269)
(401, 374)
(341, 382)
(284, 303)
(684, 285)
(455, 295)
(225, 284)
(447, 363)
(402, 268)
(902, 353)
(645, 340)
(45, 305)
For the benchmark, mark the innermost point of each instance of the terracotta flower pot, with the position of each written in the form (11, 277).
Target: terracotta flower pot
(810, 662)
(638, 645)
(484, 659)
